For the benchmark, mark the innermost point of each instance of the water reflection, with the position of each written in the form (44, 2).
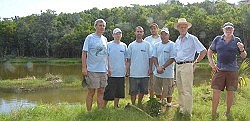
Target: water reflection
(7, 106)
(22, 70)
(12, 101)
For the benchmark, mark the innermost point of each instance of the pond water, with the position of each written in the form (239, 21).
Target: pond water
(13, 101)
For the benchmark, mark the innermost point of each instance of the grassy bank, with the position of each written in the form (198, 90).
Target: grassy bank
(42, 60)
(33, 84)
(201, 110)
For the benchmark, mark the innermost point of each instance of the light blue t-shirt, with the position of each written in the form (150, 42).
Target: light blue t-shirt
(152, 42)
(139, 53)
(96, 48)
(164, 52)
(117, 55)
(187, 47)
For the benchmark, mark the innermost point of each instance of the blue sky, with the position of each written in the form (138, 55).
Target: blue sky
(11, 8)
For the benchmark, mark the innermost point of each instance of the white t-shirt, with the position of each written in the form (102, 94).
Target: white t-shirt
(139, 53)
(117, 55)
(96, 48)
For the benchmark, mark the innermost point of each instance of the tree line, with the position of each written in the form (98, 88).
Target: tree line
(61, 35)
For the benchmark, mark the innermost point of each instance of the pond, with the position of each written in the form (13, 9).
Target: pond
(12, 101)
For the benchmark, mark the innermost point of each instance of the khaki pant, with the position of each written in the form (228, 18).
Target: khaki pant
(184, 82)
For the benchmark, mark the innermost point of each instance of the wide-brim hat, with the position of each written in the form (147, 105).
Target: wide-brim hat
(182, 21)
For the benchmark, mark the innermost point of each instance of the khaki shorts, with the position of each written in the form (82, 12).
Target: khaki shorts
(96, 79)
(228, 79)
(164, 86)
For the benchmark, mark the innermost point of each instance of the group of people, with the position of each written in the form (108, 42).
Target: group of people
(149, 63)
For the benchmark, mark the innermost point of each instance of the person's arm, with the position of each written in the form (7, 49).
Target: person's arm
(128, 63)
(84, 64)
(243, 52)
(109, 70)
(167, 63)
(150, 66)
(211, 60)
(201, 55)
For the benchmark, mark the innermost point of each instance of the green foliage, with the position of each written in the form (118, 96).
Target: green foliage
(50, 35)
(153, 107)
(244, 72)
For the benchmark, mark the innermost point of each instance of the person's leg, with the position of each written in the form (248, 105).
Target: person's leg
(151, 86)
(109, 91)
(105, 102)
(100, 92)
(119, 90)
(231, 85)
(215, 101)
(133, 98)
(188, 77)
(180, 90)
(116, 102)
(168, 89)
(229, 100)
(158, 87)
(89, 99)
(140, 97)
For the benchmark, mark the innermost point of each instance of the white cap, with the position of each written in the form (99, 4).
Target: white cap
(228, 24)
(116, 30)
(165, 30)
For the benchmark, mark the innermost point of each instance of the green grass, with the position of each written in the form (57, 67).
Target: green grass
(201, 110)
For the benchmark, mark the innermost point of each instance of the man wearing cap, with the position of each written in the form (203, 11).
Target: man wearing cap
(163, 57)
(94, 64)
(153, 39)
(227, 47)
(187, 45)
(117, 54)
(139, 66)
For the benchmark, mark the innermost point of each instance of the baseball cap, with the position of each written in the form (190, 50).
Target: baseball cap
(116, 30)
(165, 30)
(228, 24)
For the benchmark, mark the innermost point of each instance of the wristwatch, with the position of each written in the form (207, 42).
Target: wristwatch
(242, 50)
(163, 67)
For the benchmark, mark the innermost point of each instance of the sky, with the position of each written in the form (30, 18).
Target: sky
(21, 8)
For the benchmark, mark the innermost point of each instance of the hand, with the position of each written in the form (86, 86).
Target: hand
(194, 66)
(159, 70)
(127, 74)
(240, 46)
(214, 67)
(84, 72)
(150, 72)
(109, 73)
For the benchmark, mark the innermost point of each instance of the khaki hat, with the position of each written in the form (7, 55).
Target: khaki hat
(182, 21)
